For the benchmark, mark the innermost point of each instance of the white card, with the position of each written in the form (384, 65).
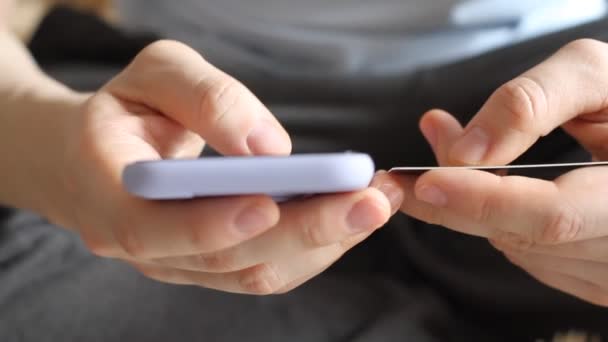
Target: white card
(564, 166)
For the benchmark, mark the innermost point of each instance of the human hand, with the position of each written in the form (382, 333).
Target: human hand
(162, 106)
(557, 231)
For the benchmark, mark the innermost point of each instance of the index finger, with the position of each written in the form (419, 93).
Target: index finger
(176, 81)
(572, 82)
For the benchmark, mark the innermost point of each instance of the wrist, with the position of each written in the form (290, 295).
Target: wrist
(34, 132)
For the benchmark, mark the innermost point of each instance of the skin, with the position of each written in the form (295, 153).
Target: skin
(557, 230)
(65, 162)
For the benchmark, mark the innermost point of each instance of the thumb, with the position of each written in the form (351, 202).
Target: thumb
(440, 129)
(175, 80)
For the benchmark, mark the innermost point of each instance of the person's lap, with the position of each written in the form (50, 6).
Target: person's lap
(53, 289)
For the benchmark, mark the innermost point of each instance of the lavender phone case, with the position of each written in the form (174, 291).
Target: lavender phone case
(280, 177)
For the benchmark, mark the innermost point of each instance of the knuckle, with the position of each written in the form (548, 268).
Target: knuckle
(525, 101)
(216, 262)
(564, 225)
(311, 226)
(261, 280)
(85, 141)
(218, 98)
(589, 49)
(486, 208)
(129, 241)
(514, 243)
(159, 50)
(433, 216)
(592, 57)
(313, 235)
(198, 234)
(97, 246)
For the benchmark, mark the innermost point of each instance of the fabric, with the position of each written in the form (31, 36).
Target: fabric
(297, 39)
(53, 290)
(56, 42)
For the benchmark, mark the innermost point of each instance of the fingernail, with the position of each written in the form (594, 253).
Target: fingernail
(363, 216)
(393, 193)
(253, 219)
(432, 195)
(472, 148)
(266, 138)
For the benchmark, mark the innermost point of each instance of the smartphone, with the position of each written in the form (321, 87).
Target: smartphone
(279, 177)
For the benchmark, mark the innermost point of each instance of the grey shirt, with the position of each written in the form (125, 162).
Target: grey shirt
(352, 37)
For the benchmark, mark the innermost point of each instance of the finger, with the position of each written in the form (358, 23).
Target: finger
(570, 83)
(583, 189)
(390, 188)
(522, 210)
(440, 130)
(579, 288)
(149, 230)
(303, 226)
(307, 274)
(300, 281)
(423, 211)
(592, 272)
(591, 131)
(109, 139)
(175, 80)
(168, 138)
(262, 279)
(589, 250)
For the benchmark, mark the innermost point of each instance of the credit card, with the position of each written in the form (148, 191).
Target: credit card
(508, 169)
